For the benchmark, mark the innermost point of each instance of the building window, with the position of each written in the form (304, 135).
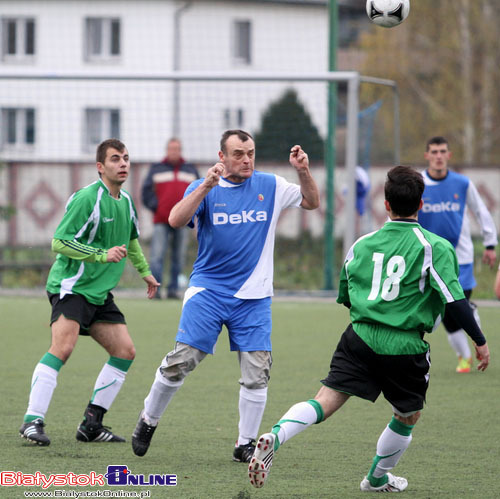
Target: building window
(242, 43)
(100, 124)
(233, 118)
(18, 128)
(18, 38)
(102, 38)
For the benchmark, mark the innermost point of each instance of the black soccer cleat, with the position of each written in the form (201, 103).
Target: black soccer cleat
(97, 434)
(33, 432)
(91, 428)
(243, 453)
(141, 438)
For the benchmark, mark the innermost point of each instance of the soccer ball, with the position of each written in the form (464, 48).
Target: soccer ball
(387, 13)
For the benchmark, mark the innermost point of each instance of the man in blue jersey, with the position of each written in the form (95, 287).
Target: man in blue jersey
(237, 210)
(448, 197)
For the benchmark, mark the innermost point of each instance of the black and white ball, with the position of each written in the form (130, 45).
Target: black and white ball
(387, 13)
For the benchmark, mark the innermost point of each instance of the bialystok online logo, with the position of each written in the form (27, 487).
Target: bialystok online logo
(116, 475)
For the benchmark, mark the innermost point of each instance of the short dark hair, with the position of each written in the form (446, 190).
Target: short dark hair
(438, 140)
(403, 190)
(242, 135)
(103, 147)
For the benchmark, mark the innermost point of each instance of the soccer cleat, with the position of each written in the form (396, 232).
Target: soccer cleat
(97, 434)
(464, 365)
(260, 464)
(141, 438)
(394, 484)
(33, 432)
(243, 453)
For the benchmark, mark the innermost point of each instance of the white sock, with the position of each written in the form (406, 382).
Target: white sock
(251, 406)
(107, 386)
(299, 417)
(160, 395)
(43, 384)
(459, 343)
(390, 447)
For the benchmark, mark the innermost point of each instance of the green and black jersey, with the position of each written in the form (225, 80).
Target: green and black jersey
(398, 281)
(94, 221)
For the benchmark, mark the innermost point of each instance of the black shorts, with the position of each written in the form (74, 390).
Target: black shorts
(357, 370)
(77, 308)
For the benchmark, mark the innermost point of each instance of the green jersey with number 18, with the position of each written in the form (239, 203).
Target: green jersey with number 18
(95, 218)
(398, 281)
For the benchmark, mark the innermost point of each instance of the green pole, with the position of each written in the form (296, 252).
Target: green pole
(330, 148)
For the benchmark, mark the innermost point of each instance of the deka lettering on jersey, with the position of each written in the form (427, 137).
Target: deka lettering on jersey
(440, 207)
(239, 218)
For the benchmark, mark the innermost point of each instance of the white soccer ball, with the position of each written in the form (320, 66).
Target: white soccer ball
(387, 13)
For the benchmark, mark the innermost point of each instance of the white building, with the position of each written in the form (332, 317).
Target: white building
(51, 122)
(63, 120)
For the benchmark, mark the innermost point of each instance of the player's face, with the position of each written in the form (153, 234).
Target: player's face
(438, 156)
(174, 151)
(115, 169)
(238, 159)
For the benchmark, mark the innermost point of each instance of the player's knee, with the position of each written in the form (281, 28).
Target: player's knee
(180, 362)
(255, 369)
(409, 420)
(129, 353)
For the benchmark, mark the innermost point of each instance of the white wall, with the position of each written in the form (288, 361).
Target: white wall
(284, 38)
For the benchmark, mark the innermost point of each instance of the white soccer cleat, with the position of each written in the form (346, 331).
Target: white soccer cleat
(394, 484)
(262, 459)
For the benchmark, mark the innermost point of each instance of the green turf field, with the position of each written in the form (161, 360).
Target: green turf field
(455, 450)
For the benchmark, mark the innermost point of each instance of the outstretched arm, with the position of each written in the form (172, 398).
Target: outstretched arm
(461, 310)
(310, 193)
(184, 210)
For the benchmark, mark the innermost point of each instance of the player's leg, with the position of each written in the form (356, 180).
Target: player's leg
(65, 330)
(157, 252)
(255, 372)
(168, 379)
(178, 239)
(107, 328)
(116, 340)
(347, 376)
(458, 339)
(249, 326)
(199, 328)
(297, 419)
(405, 382)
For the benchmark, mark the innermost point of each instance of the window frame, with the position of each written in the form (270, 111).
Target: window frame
(242, 56)
(21, 40)
(103, 27)
(24, 124)
(105, 117)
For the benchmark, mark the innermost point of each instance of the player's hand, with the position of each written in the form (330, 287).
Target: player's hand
(298, 158)
(213, 175)
(489, 257)
(153, 285)
(116, 253)
(483, 355)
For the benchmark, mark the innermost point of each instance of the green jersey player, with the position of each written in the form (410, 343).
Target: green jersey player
(397, 282)
(99, 229)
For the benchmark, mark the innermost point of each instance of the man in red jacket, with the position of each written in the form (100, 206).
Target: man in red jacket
(163, 187)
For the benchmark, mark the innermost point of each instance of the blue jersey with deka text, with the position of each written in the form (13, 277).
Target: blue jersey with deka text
(445, 212)
(236, 229)
(444, 206)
